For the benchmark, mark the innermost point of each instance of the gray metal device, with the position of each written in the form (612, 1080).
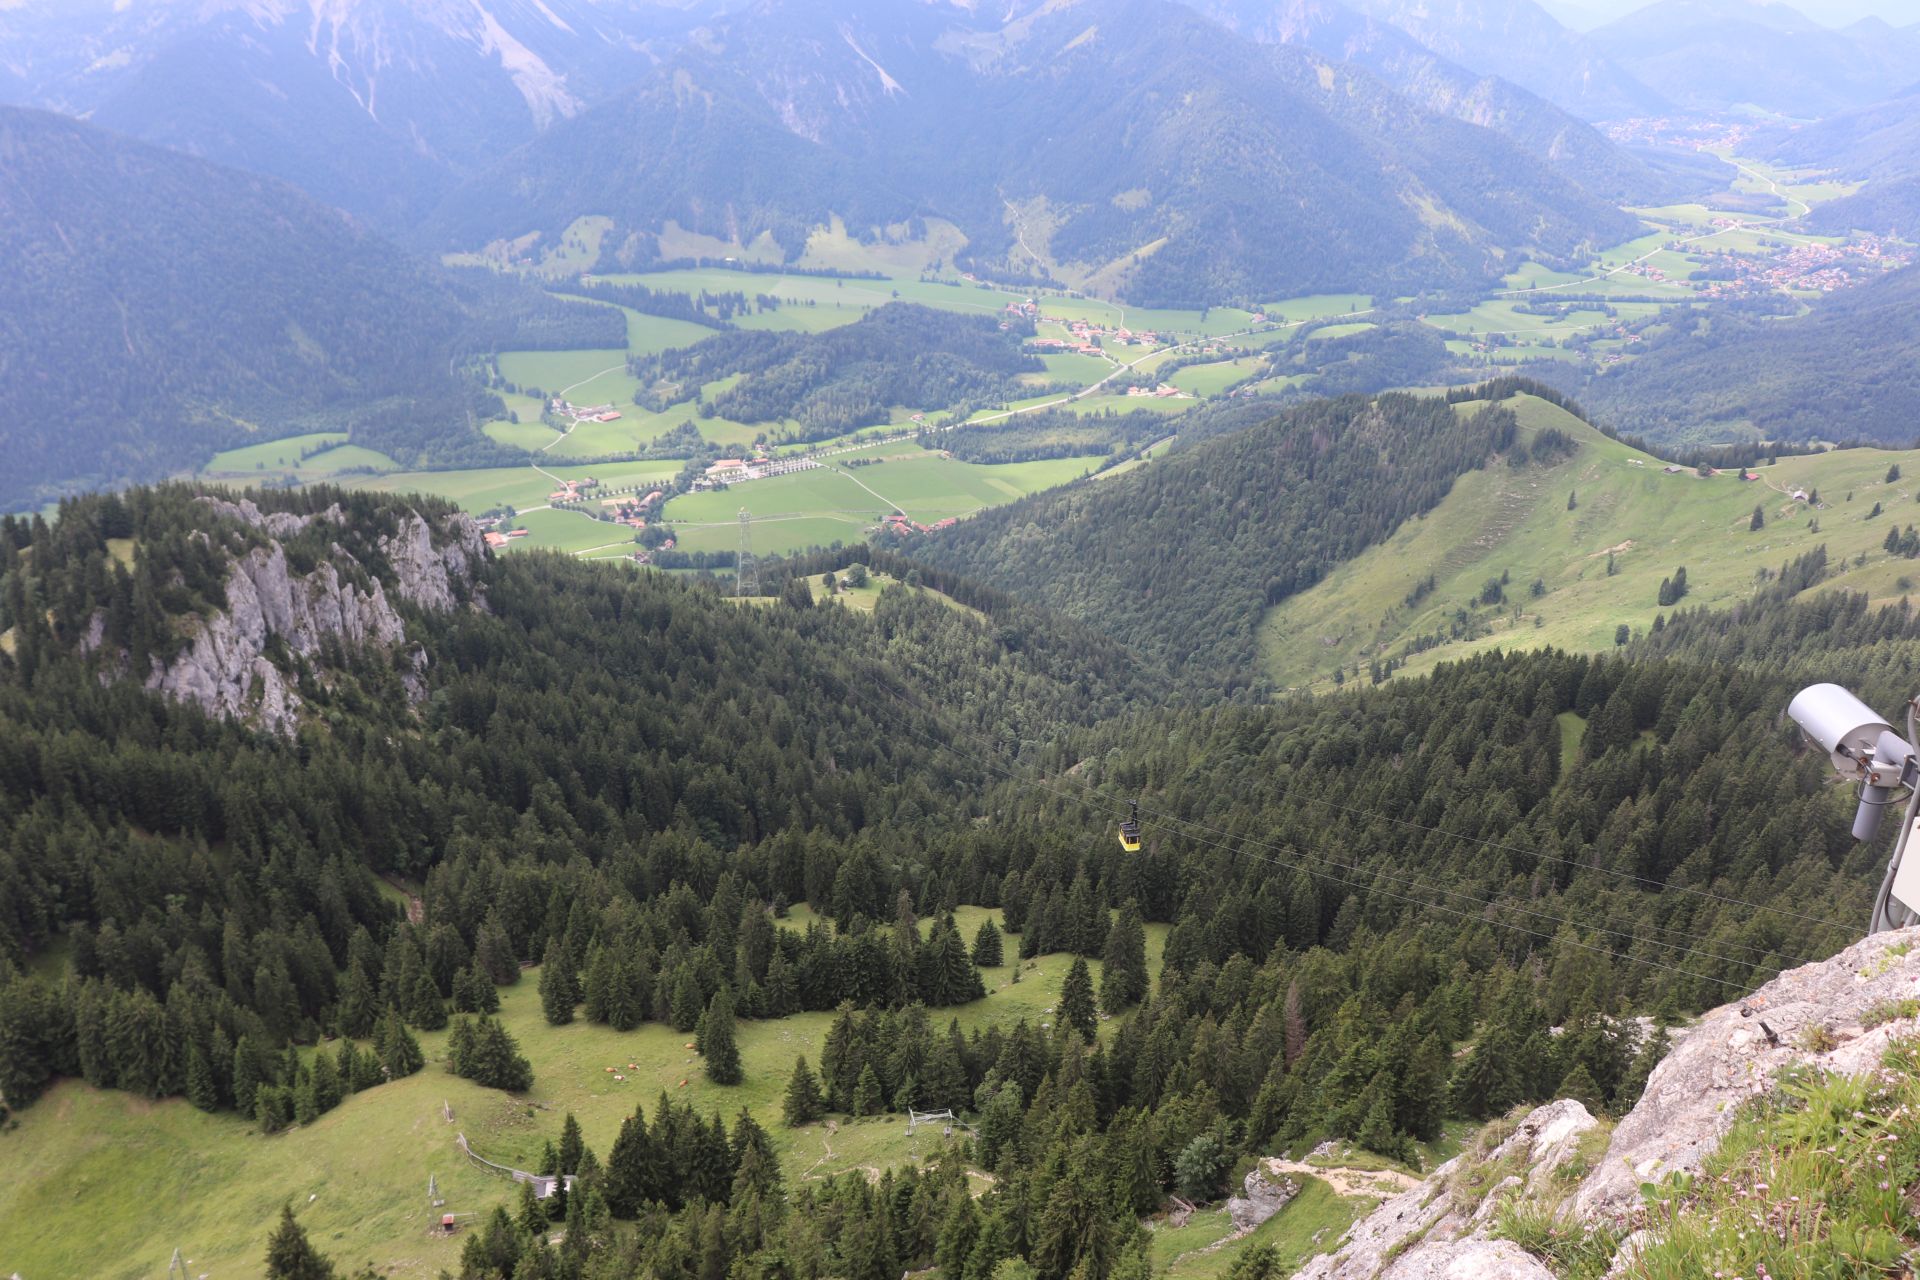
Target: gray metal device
(1864, 749)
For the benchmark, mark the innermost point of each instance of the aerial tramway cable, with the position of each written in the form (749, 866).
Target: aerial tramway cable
(1186, 829)
(1724, 899)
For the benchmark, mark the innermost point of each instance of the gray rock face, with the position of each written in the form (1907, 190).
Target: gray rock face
(224, 668)
(1814, 1014)
(1261, 1198)
(1468, 1260)
(1811, 1016)
(1438, 1229)
(425, 572)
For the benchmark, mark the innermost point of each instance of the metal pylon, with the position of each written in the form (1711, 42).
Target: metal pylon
(744, 572)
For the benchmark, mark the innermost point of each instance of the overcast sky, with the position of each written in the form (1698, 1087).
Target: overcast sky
(1584, 15)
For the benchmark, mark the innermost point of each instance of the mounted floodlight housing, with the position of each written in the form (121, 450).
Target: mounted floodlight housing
(1864, 749)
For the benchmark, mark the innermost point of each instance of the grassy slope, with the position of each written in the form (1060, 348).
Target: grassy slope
(832, 504)
(1500, 519)
(104, 1184)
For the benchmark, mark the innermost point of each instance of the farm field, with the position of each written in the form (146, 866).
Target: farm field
(106, 1184)
(1516, 522)
(838, 504)
(280, 459)
(519, 487)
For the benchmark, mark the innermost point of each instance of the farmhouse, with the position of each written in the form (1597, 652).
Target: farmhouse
(727, 469)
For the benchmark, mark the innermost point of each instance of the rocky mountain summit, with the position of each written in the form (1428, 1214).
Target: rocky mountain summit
(1840, 1016)
(242, 662)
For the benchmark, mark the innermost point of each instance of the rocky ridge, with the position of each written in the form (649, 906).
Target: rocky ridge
(226, 668)
(1813, 1017)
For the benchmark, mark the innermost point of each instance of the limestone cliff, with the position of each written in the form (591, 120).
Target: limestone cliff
(231, 664)
(1817, 1016)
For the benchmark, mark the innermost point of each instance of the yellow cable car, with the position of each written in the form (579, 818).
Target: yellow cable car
(1130, 829)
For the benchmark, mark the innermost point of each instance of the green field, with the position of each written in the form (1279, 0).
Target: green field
(838, 504)
(584, 377)
(518, 487)
(1500, 520)
(280, 459)
(1212, 379)
(105, 1185)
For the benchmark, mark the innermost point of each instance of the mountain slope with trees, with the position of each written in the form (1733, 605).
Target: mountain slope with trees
(1720, 376)
(165, 308)
(1203, 164)
(1181, 558)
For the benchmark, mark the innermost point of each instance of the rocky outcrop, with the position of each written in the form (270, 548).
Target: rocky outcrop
(1441, 1227)
(226, 668)
(425, 569)
(1262, 1196)
(1815, 1016)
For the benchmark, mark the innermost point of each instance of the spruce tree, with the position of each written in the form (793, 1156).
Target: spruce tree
(246, 1076)
(399, 1052)
(573, 1147)
(557, 993)
(866, 1094)
(289, 1254)
(200, 1087)
(1076, 1009)
(1123, 965)
(717, 1041)
(803, 1104)
(988, 948)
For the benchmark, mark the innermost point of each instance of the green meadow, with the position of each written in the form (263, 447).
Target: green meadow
(1500, 520)
(103, 1184)
(328, 452)
(838, 503)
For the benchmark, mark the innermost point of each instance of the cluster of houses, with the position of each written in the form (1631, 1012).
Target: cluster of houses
(573, 490)
(740, 470)
(1823, 267)
(632, 509)
(1084, 339)
(898, 523)
(1165, 391)
(584, 413)
(496, 539)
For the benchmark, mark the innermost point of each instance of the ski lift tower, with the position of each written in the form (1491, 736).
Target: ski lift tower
(744, 568)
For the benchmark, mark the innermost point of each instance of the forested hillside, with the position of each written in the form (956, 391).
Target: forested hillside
(163, 308)
(625, 778)
(1849, 370)
(1180, 558)
(900, 354)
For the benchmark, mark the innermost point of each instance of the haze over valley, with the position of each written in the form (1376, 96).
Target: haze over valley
(1050, 640)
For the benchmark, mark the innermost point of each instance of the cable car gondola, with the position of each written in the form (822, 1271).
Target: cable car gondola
(1130, 829)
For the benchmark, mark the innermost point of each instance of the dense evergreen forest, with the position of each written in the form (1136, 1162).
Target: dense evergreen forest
(1708, 377)
(159, 307)
(1379, 902)
(1180, 558)
(833, 382)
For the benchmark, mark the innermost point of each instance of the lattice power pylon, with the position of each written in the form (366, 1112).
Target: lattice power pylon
(745, 570)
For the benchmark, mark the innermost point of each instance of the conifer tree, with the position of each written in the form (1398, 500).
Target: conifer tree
(1123, 971)
(399, 1052)
(988, 949)
(573, 1148)
(629, 1165)
(200, 1087)
(866, 1094)
(246, 1076)
(289, 1254)
(557, 992)
(357, 1007)
(717, 1041)
(1076, 1008)
(803, 1104)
